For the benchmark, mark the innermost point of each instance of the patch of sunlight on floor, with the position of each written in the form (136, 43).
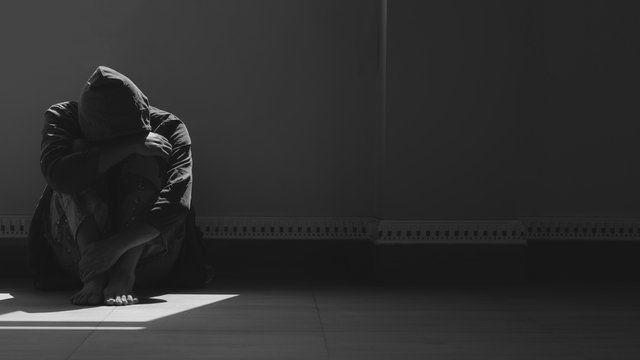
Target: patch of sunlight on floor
(156, 308)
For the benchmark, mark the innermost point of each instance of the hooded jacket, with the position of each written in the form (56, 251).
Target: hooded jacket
(111, 106)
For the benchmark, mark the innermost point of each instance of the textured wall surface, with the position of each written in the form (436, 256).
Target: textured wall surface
(279, 96)
(508, 109)
(495, 109)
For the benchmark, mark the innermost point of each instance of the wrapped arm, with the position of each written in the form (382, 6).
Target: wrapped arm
(66, 162)
(174, 201)
(64, 169)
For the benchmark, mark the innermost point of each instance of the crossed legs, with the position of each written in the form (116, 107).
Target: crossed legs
(115, 286)
(107, 265)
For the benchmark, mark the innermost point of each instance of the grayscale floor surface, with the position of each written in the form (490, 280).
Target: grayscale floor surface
(312, 321)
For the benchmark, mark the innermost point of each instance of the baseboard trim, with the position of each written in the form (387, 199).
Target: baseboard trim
(581, 229)
(14, 226)
(316, 228)
(395, 232)
(450, 232)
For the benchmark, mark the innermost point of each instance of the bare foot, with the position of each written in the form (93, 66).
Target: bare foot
(97, 258)
(119, 291)
(91, 293)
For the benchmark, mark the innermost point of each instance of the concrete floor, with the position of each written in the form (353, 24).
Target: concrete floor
(311, 321)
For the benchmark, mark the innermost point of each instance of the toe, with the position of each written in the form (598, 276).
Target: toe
(78, 299)
(130, 300)
(110, 302)
(82, 299)
(94, 300)
(75, 298)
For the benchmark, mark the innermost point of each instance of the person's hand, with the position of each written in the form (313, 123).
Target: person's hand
(155, 145)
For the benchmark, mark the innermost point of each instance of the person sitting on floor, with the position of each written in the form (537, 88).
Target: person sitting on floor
(116, 211)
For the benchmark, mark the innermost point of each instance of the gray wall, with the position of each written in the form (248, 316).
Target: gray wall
(495, 109)
(503, 109)
(280, 96)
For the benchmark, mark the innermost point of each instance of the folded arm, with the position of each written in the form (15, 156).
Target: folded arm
(70, 165)
(174, 200)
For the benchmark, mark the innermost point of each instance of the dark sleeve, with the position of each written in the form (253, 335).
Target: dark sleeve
(66, 171)
(174, 200)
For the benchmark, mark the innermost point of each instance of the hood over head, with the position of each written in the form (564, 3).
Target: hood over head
(112, 106)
